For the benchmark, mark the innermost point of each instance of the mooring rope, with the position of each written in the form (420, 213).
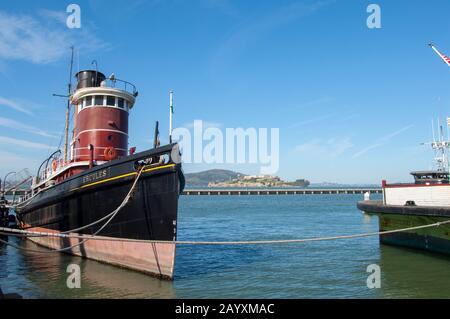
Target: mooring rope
(22, 233)
(64, 234)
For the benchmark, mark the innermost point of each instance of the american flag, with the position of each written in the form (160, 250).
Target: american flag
(445, 58)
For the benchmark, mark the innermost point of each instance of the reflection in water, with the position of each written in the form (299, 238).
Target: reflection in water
(4, 238)
(48, 272)
(367, 219)
(332, 269)
(411, 273)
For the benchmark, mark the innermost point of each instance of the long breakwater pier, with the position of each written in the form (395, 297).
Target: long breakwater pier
(281, 191)
(262, 191)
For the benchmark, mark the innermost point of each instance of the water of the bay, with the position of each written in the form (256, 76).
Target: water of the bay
(331, 269)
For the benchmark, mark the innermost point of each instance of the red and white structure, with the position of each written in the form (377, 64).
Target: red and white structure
(432, 193)
(100, 128)
(101, 118)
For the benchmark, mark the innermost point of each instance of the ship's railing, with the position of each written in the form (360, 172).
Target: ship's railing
(120, 85)
(53, 169)
(25, 197)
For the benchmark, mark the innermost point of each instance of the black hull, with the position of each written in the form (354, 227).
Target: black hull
(151, 213)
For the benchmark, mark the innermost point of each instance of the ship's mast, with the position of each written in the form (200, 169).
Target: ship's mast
(170, 115)
(66, 138)
(441, 148)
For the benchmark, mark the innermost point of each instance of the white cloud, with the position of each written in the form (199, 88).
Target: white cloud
(323, 118)
(318, 101)
(311, 121)
(205, 125)
(22, 143)
(252, 29)
(224, 6)
(13, 104)
(381, 141)
(27, 38)
(22, 164)
(9, 157)
(332, 147)
(60, 16)
(9, 123)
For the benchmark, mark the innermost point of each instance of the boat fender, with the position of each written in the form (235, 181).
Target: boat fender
(110, 153)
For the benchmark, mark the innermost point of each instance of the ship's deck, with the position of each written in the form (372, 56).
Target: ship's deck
(377, 207)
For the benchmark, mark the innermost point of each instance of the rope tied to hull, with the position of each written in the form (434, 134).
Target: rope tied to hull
(22, 233)
(84, 238)
(66, 234)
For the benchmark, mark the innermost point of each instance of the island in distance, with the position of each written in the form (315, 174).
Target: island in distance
(227, 178)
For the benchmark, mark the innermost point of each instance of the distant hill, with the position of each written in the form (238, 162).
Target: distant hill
(210, 176)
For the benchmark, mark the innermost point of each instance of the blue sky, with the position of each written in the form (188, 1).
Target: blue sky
(352, 103)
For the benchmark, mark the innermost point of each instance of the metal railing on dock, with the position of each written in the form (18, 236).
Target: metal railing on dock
(280, 191)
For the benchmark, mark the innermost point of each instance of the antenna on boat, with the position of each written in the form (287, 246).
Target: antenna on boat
(447, 144)
(170, 115)
(66, 138)
(439, 130)
(448, 126)
(440, 146)
(432, 130)
(96, 70)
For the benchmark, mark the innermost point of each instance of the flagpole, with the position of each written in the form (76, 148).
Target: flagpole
(434, 49)
(170, 115)
(444, 58)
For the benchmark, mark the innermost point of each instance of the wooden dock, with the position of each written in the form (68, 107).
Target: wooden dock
(282, 191)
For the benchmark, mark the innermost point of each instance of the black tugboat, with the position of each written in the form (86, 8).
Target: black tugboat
(80, 188)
